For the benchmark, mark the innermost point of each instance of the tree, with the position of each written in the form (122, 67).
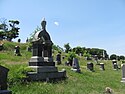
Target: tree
(113, 56)
(14, 31)
(33, 33)
(122, 57)
(7, 32)
(78, 50)
(3, 28)
(67, 47)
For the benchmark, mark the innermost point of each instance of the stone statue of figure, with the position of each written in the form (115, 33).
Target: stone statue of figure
(43, 24)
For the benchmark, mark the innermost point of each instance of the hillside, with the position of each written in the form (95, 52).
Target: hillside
(85, 82)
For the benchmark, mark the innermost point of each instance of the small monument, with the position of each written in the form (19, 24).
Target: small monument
(3, 80)
(123, 73)
(42, 61)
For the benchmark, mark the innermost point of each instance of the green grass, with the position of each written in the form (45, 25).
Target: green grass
(77, 83)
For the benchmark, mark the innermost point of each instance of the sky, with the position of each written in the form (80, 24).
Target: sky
(85, 23)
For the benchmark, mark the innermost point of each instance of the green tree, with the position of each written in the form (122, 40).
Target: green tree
(33, 33)
(9, 32)
(113, 56)
(67, 47)
(14, 31)
(3, 28)
(78, 50)
(122, 57)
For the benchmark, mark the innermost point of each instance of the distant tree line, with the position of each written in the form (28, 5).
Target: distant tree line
(9, 32)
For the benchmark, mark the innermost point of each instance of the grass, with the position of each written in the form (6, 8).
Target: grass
(77, 83)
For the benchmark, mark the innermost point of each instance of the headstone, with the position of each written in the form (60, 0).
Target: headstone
(17, 51)
(58, 58)
(123, 73)
(3, 80)
(90, 66)
(115, 65)
(42, 60)
(75, 65)
(102, 66)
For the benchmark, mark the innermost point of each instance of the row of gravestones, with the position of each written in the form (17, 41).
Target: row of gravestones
(90, 65)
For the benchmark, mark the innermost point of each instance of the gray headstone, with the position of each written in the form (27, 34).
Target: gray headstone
(75, 65)
(123, 73)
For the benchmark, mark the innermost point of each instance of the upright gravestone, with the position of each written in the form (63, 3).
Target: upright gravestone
(75, 65)
(123, 73)
(115, 65)
(42, 61)
(90, 66)
(3, 80)
(58, 58)
(17, 51)
(102, 66)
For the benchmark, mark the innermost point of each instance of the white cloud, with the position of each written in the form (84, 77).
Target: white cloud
(56, 23)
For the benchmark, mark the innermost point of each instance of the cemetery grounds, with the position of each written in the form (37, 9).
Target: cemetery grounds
(85, 82)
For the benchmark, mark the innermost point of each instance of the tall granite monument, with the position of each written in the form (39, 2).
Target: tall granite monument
(42, 61)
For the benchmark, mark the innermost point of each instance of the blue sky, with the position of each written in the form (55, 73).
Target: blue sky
(85, 23)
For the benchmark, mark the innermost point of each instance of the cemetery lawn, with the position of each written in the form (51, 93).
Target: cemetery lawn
(85, 82)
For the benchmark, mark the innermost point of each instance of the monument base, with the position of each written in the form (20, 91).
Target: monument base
(39, 61)
(35, 76)
(123, 80)
(5, 92)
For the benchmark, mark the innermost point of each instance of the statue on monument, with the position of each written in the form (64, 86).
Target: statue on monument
(43, 24)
